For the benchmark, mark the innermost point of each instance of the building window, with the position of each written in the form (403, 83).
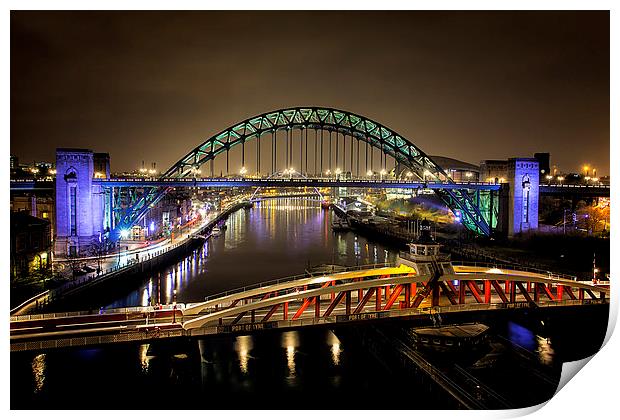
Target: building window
(73, 194)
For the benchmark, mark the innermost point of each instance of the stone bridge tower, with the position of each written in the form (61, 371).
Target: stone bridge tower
(519, 207)
(80, 204)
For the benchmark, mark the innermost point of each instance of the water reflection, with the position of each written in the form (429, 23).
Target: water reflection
(333, 341)
(545, 351)
(290, 340)
(243, 345)
(145, 359)
(277, 238)
(39, 366)
(521, 336)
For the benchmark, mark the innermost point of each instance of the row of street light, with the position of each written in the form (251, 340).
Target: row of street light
(561, 178)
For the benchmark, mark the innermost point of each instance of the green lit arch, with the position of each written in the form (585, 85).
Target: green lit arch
(317, 118)
(329, 119)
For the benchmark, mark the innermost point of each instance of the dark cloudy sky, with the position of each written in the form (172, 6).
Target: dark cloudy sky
(470, 85)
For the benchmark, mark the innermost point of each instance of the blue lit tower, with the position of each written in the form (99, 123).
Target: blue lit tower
(79, 203)
(523, 175)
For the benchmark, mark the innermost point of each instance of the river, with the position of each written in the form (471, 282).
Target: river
(312, 368)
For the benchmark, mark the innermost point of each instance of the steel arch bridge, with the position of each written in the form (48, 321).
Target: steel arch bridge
(476, 210)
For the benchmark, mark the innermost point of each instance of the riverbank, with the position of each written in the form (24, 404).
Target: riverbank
(573, 255)
(126, 276)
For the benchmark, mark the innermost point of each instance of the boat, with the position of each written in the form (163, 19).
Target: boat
(451, 338)
(198, 236)
(340, 225)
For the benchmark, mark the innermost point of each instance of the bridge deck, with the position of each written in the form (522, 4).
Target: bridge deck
(358, 295)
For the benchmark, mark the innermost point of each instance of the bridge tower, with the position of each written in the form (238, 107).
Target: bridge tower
(80, 204)
(523, 174)
(518, 208)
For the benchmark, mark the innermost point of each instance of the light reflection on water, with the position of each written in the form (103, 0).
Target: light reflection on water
(243, 346)
(277, 238)
(335, 349)
(521, 336)
(38, 370)
(145, 359)
(290, 340)
(545, 350)
(526, 338)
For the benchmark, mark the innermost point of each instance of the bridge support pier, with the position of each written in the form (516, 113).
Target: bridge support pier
(80, 204)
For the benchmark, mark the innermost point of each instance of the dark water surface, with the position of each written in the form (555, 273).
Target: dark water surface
(277, 238)
(313, 368)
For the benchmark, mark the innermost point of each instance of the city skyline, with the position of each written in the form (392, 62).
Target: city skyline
(148, 86)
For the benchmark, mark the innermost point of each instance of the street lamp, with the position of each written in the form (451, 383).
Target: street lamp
(369, 173)
(586, 169)
(409, 174)
(383, 172)
(243, 171)
(560, 178)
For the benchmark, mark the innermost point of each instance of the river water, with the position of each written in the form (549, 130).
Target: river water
(277, 238)
(312, 368)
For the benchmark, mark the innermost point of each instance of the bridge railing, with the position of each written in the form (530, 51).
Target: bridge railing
(549, 274)
(109, 311)
(295, 277)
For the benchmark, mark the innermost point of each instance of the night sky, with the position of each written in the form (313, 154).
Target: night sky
(470, 85)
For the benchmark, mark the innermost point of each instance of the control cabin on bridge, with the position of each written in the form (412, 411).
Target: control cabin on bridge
(424, 255)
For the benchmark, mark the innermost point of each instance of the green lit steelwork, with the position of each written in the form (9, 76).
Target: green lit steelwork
(388, 141)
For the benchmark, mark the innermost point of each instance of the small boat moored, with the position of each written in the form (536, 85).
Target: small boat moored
(339, 224)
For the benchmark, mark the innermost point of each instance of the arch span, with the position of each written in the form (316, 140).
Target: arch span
(374, 134)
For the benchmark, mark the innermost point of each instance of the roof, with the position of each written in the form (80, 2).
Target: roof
(458, 331)
(24, 219)
(450, 163)
(73, 150)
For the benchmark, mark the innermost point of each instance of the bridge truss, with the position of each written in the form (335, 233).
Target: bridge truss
(324, 153)
(357, 294)
(390, 292)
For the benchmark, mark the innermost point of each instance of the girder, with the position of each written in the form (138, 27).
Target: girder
(389, 142)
